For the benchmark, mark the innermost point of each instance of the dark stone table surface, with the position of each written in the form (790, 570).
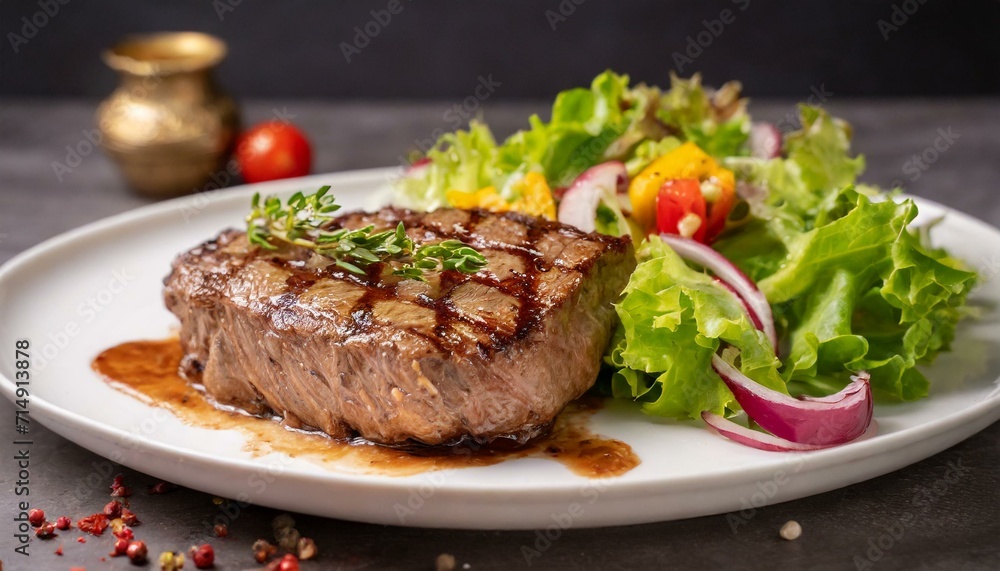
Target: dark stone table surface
(951, 501)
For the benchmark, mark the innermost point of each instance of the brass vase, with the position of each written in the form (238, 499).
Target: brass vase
(168, 126)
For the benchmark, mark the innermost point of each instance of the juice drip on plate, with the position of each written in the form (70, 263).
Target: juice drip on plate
(148, 371)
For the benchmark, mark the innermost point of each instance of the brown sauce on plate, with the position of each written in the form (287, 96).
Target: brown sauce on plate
(148, 371)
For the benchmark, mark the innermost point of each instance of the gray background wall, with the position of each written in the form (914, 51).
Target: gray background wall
(435, 48)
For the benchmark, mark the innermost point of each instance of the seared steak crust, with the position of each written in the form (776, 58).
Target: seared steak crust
(496, 354)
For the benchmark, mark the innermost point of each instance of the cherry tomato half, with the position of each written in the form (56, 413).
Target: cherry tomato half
(677, 199)
(273, 150)
(719, 210)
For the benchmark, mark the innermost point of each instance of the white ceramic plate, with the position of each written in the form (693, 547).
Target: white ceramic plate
(100, 285)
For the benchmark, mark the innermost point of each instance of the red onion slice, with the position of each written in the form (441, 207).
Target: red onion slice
(753, 316)
(578, 206)
(753, 299)
(764, 441)
(765, 141)
(826, 421)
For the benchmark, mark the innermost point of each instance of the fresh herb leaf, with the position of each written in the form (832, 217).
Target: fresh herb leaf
(300, 221)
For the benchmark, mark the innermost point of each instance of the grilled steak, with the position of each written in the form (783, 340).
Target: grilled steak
(497, 354)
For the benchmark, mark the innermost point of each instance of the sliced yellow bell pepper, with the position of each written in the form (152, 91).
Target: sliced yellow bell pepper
(487, 198)
(686, 161)
(533, 197)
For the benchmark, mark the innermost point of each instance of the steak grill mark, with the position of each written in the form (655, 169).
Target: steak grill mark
(523, 286)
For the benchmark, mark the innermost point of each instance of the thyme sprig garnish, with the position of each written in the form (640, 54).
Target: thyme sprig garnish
(300, 221)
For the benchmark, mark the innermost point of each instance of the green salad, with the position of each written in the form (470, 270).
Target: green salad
(851, 286)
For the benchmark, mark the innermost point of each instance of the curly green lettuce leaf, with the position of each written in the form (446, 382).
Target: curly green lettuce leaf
(585, 122)
(465, 160)
(858, 242)
(860, 292)
(821, 149)
(673, 319)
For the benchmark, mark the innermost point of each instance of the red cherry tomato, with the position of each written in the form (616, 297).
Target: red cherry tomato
(273, 150)
(719, 210)
(678, 198)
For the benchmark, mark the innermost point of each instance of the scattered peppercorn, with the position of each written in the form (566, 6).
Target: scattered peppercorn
(287, 563)
(120, 548)
(306, 549)
(128, 516)
(161, 488)
(125, 532)
(137, 552)
(46, 530)
(59, 550)
(93, 524)
(791, 530)
(203, 556)
(221, 530)
(81, 540)
(63, 523)
(119, 489)
(263, 551)
(113, 509)
(171, 561)
(445, 562)
(282, 521)
(36, 517)
(287, 538)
